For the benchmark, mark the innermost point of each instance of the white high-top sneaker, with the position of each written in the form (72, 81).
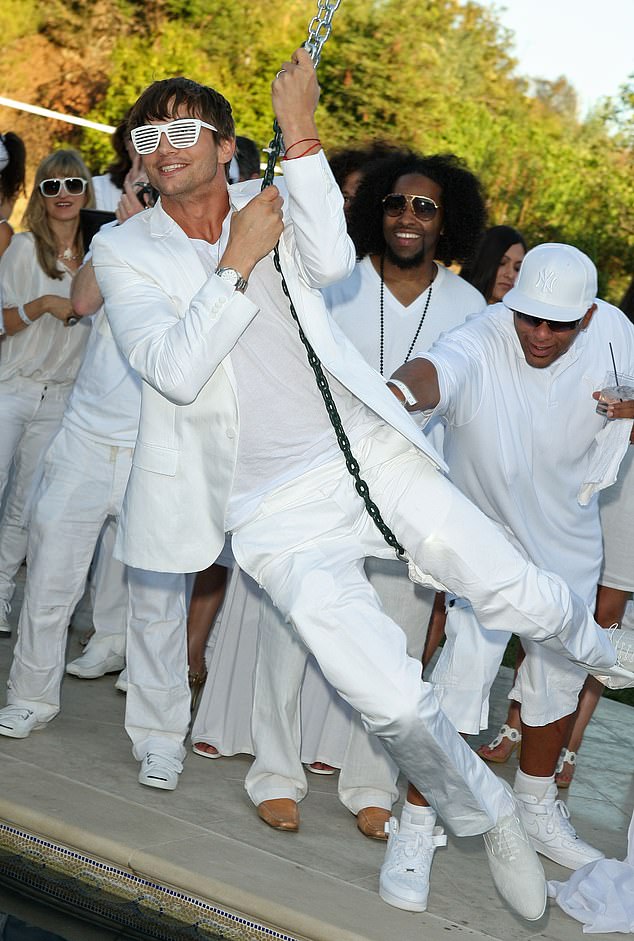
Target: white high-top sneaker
(622, 674)
(404, 878)
(547, 822)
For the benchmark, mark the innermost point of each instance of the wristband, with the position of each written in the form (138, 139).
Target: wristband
(23, 316)
(410, 399)
(304, 152)
(303, 140)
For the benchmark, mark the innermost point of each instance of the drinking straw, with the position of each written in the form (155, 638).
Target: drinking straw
(616, 378)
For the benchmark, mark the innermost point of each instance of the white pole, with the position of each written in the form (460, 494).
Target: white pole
(46, 113)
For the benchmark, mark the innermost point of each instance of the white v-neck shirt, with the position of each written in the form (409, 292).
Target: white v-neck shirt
(355, 305)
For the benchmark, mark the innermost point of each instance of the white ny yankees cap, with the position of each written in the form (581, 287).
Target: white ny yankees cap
(556, 282)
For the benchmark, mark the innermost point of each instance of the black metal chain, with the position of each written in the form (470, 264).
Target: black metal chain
(319, 30)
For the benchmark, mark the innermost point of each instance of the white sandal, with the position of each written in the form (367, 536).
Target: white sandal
(566, 757)
(506, 732)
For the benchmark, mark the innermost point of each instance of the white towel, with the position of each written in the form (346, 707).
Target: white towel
(601, 894)
(611, 443)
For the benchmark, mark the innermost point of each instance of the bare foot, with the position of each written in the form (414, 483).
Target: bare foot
(205, 750)
(320, 767)
(502, 746)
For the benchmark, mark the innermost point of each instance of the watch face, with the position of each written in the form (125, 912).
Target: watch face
(230, 276)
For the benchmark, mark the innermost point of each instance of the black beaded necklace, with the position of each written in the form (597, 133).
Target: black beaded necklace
(418, 328)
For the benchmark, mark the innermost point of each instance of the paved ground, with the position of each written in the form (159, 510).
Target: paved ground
(76, 783)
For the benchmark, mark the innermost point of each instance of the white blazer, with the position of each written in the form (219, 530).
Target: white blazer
(177, 327)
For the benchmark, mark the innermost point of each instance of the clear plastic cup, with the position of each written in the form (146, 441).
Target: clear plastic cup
(613, 392)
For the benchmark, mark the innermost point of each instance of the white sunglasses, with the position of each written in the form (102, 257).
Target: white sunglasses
(181, 133)
(74, 186)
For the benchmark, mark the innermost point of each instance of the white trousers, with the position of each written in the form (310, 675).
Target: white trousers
(368, 776)
(82, 485)
(157, 715)
(109, 593)
(305, 547)
(30, 415)
(547, 686)
(157, 712)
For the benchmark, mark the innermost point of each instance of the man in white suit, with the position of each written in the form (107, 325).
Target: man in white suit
(234, 436)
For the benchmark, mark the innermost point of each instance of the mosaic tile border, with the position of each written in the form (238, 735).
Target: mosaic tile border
(117, 896)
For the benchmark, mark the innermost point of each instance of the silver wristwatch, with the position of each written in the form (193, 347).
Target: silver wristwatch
(232, 277)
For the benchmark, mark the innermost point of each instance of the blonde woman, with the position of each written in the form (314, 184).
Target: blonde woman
(42, 345)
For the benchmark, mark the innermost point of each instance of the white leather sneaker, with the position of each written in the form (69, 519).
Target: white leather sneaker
(95, 663)
(547, 823)
(159, 771)
(404, 878)
(18, 722)
(517, 872)
(621, 676)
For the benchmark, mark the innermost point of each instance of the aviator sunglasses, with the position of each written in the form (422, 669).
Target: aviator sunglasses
(74, 186)
(181, 133)
(557, 326)
(422, 206)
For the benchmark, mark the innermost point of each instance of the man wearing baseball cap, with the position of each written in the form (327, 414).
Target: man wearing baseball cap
(515, 386)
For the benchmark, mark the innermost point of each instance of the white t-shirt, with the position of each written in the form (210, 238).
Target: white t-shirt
(277, 391)
(106, 399)
(355, 305)
(519, 439)
(47, 350)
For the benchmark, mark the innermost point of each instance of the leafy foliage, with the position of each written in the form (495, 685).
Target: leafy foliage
(435, 75)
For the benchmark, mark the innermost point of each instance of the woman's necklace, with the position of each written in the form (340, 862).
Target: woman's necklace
(67, 255)
(382, 323)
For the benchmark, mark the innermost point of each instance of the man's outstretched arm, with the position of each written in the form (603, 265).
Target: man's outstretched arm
(415, 385)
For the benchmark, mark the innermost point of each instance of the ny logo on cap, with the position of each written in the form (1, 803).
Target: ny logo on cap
(546, 280)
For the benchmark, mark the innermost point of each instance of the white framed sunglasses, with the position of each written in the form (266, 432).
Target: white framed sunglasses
(184, 132)
(74, 186)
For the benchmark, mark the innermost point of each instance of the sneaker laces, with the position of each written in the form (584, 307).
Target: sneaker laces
(408, 846)
(160, 763)
(621, 640)
(15, 712)
(559, 819)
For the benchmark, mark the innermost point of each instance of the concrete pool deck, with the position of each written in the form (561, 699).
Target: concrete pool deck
(73, 786)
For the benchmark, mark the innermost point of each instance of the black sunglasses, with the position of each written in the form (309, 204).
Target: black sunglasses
(423, 207)
(557, 326)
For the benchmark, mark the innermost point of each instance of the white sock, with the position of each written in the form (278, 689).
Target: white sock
(414, 815)
(531, 784)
